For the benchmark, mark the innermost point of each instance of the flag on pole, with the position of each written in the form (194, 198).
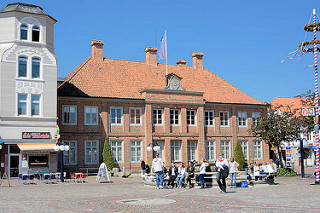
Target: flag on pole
(163, 47)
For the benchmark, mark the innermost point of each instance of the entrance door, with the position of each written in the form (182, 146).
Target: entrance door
(13, 166)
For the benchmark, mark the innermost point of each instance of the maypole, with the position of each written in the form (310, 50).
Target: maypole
(315, 52)
(305, 47)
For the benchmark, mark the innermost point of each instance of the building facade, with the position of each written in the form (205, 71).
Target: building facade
(195, 115)
(28, 81)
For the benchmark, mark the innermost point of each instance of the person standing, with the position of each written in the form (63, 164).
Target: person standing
(143, 167)
(173, 172)
(221, 165)
(157, 167)
(233, 167)
(190, 173)
(245, 166)
(202, 172)
(181, 175)
(252, 168)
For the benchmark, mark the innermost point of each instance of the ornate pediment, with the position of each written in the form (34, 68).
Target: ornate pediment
(174, 83)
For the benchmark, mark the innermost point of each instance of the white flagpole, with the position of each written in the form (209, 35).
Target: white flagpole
(166, 55)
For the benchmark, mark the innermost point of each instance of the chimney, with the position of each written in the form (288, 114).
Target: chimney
(97, 49)
(151, 56)
(197, 60)
(182, 62)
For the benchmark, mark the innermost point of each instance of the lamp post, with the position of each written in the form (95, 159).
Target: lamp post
(155, 148)
(61, 147)
(301, 155)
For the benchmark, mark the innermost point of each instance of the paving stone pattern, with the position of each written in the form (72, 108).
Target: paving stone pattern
(129, 195)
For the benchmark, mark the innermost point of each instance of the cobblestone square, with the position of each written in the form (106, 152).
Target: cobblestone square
(130, 195)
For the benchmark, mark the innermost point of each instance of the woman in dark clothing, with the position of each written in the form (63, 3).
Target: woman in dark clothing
(173, 172)
(190, 173)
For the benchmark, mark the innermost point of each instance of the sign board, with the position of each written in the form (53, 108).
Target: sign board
(24, 164)
(309, 111)
(103, 172)
(288, 153)
(36, 135)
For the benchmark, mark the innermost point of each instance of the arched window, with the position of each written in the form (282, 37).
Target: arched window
(35, 33)
(24, 32)
(35, 67)
(22, 66)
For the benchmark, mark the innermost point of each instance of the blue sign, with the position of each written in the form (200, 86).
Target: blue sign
(316, 128)
(314, 147)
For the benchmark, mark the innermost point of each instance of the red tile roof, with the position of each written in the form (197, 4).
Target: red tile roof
(124, 79)
(285, 104)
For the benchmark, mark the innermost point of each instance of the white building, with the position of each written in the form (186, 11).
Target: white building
(28, 89)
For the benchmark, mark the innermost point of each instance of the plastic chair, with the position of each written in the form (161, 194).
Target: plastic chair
(47, 178)
(73, 177)
(24, 179)
(20, 178)
(31, 178)
(53, 178)
(84, 177)
(78, 177)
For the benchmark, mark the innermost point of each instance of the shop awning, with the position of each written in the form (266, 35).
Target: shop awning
(36, 146)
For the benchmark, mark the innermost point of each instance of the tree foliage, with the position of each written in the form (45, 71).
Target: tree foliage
(275, 127)
(238, 155)
(107, 155)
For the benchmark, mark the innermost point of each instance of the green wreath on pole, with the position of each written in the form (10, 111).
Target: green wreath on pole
(309, 27)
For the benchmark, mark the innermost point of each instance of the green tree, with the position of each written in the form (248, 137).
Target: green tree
(275, 127)
(107, 155)
(238, 155)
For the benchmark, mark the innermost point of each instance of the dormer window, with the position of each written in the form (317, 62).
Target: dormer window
(23, 66)
(35, 33)
(24, 32)
(35, 67)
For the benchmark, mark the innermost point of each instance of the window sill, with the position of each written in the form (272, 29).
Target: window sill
(30, 79)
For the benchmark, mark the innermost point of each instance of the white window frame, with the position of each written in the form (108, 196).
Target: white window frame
(37, 102)
(208, 116)
(173, 145)
(242, 119)
(117, 152)
(257, 150)
(39, 30)
(255, 117)
(66, 154)
(192, 146)
(224, 150)
(244, 145)
(133, 145)
(228, 117)
(75, 118)
(161, 145)
(175, 111)
(155, 122)
(27, 31)
(210, 144)
(135, 109)
(189, 117)
(85, 152)
(28, 102)
(116, 118)
(85, 117)
(30, 55)
(24, 101)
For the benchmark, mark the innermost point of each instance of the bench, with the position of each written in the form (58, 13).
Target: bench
(264, 178)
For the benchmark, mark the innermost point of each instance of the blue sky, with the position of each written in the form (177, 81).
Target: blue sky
(243, 41)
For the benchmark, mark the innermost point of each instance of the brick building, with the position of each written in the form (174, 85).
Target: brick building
(196, 114)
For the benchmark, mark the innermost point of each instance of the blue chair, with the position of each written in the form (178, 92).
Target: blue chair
(31, 178)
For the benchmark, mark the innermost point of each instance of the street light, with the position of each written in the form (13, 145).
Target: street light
(302, 155)
(155, 148)
(60, 146)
